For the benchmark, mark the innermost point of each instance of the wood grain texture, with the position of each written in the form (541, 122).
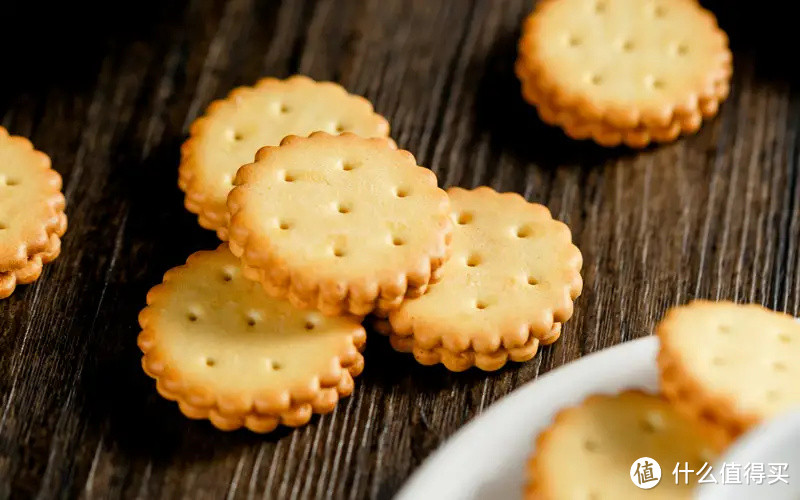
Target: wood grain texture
(715, 215)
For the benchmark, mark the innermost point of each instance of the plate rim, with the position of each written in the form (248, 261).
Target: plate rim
(641, 349)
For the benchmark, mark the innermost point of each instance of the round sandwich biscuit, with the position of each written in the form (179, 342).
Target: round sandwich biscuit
(340, 223)
(226, 351)
(463, 360)
(730, 364)
(233, 129)
(609, 446)
(32, 218)
(510, 282)
(624, 71)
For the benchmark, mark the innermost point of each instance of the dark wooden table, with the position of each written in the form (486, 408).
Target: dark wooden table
(109, 92)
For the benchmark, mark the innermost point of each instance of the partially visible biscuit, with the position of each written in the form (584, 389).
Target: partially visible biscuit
(624, 71)
(730, 364)
(463, 360)
(32, 218)
(588, 450)
(510, 282)
(33, 269)
(224, 350)
(608, 136)
(233, 129)
(340, 223)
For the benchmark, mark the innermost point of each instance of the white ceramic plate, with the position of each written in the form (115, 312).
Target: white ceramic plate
(773, 442)
(486, 458)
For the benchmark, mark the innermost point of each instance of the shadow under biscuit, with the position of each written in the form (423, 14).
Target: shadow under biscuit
(157, 219)
(122, 403)
(386, 367)
(159, 234)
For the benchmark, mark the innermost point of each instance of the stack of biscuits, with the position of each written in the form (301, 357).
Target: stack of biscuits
(324, 222)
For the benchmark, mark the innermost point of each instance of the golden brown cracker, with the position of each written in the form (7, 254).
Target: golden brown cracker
(32, 218)
(463, 360)
(512, 276)
(588, 450)
(226, 351)
(233, 129)
(736, 365)
(339, 223)
(629, 67)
